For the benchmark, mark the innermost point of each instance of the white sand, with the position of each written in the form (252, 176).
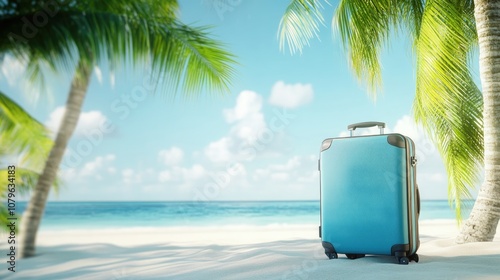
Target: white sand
(274, 252)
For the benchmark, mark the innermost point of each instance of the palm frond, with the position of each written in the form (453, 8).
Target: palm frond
(364, 28)
(22, 134)
(187, 57)
(25, 180)
(299, 24)
(132, 32)
(411, 12)
(448, 103)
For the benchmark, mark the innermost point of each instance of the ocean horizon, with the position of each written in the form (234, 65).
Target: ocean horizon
(137, 214)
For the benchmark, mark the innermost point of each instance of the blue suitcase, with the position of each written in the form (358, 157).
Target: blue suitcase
(369, 200)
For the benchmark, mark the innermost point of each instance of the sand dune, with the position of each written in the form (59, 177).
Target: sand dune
(274, 252)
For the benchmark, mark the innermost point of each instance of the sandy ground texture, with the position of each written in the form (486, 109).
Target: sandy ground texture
(270, 252)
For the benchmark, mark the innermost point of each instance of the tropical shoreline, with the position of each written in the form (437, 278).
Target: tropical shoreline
(245, 252)
(123, 214)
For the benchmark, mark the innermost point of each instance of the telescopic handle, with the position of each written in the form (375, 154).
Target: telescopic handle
(353, 126)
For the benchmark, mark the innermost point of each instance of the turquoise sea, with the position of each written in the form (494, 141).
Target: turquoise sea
(76, 215)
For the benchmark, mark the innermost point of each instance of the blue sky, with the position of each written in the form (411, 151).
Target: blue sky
(259, 142)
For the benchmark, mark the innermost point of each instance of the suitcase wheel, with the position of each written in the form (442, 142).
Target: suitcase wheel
(332, 255)
(403, 260)
(355, 256)
(414, 257)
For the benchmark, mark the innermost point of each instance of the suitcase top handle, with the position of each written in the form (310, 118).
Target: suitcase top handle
(353, 126)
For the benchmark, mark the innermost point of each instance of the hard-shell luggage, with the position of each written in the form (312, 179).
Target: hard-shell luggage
(369, 200)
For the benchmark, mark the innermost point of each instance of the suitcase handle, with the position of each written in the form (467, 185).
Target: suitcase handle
(353, 126)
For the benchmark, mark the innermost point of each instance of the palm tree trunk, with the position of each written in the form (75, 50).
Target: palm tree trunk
(33, 214)
(483, 220)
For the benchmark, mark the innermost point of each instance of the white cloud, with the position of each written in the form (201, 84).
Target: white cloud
(279, 171)
(165, 176)
(129, 176)
(291, 96)
(247, 116)
(182, 174)
(407, 126)
(241, 144)
(295, 169)
(172, 156)
(292, 163)
(92, 169)
(137, 176)
(248, 123)
(220, 150)
(261, 173)
(435, 177)
(311, 177)
(87, 123)
(98, 164)
(12, 69)
(248, 103)
(197, 171)
(280, 176)
(90, 121)
(249, 128)
(55, 119)
(250, 134)
(425, 149)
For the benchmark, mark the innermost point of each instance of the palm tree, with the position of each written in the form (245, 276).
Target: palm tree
(74, 36)
(448, 104)
(483, 220)
(21, 135)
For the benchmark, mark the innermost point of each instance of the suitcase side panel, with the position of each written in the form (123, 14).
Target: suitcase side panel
(361, 180)
(413, 197)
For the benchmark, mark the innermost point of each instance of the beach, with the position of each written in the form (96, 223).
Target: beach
(243, 252)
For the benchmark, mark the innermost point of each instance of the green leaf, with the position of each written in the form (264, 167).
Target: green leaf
(22, 135)
(299, 24)
(448, 103)
(185, 58)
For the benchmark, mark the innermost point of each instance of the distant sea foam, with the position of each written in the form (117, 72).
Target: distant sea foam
(103, 215)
